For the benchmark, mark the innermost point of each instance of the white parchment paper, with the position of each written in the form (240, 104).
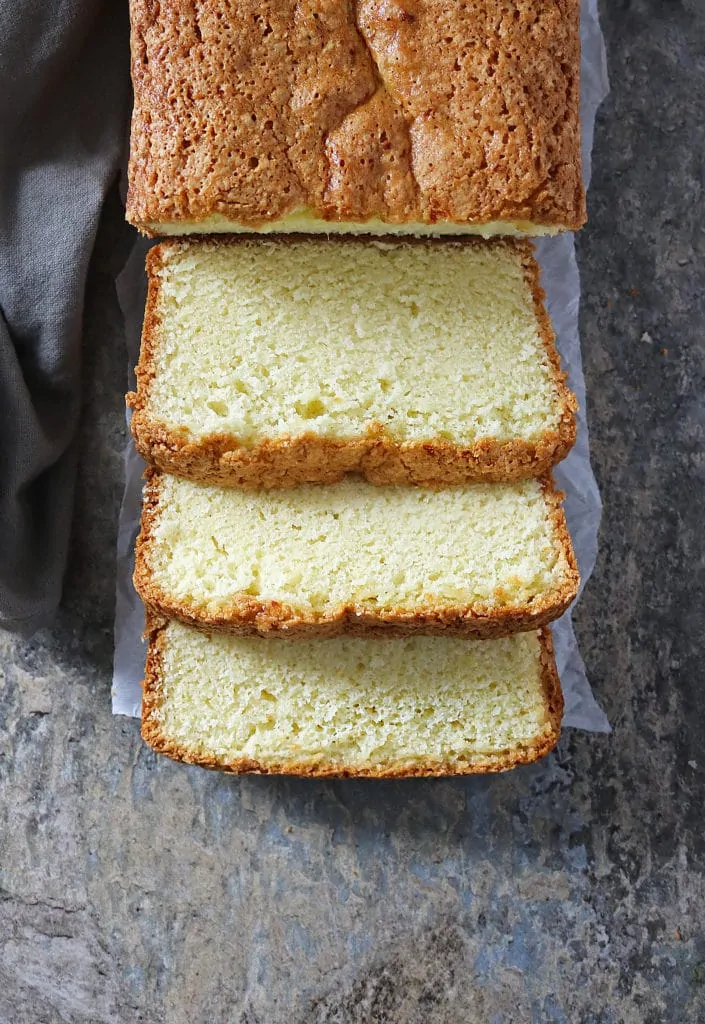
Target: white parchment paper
(562, 285)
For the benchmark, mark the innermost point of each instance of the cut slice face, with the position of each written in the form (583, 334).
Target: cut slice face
(418, 706)
(270, 363)
(486, 559)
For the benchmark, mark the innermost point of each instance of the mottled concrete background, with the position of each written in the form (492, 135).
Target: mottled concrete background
(132, 889)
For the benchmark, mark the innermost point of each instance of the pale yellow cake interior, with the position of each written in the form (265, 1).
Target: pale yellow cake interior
(305, 222)
(268, 340)
(380, 548)
(350, 703)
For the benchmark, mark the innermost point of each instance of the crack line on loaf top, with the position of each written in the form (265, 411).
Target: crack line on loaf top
(380, 87)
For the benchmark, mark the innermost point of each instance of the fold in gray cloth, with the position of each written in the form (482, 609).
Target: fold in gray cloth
(64, 104)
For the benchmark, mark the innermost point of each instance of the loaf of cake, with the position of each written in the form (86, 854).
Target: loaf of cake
(350, 706)
(416, 116)
(484, 560)
(279, 362)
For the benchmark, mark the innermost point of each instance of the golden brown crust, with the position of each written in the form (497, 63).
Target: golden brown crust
(409, 111)
(248, 616)
(153, 734)
(309, 458)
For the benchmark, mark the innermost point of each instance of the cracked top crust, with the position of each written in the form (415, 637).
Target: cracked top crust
(400, 111)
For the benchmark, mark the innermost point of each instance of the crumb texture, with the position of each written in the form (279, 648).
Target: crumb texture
(381, 550)
(398, 111)
(354, 705)
(265, 341)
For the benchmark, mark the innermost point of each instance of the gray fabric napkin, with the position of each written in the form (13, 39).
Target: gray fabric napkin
(64, 105)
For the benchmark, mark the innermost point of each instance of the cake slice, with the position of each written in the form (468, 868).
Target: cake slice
(415, 116)
(273, 363)
(487, 559)
(416, 706)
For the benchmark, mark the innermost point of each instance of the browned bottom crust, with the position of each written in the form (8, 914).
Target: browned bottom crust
(491, 763)
(222, 460)
(311, 459)
(247, 616)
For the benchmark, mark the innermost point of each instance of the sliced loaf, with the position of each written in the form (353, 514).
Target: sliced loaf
(486, 559)
(274, 363)
(413, 707)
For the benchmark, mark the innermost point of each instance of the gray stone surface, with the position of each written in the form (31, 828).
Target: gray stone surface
(133, 889)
